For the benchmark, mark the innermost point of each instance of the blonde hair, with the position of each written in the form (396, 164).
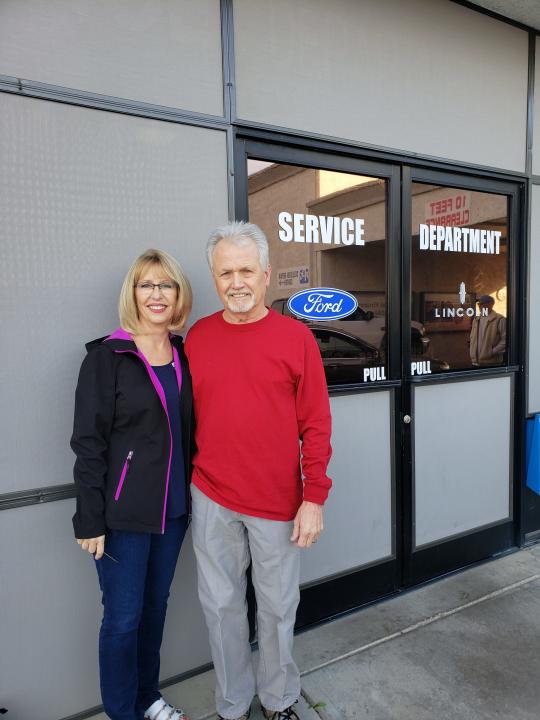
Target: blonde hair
(127, 304)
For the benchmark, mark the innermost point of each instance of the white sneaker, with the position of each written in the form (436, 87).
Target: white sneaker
(161, 710)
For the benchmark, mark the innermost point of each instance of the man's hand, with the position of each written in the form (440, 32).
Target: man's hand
(94, 545)
(308, 524)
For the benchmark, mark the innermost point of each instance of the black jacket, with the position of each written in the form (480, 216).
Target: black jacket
(122, 440)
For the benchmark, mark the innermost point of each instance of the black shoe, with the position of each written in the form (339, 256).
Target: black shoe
(287, 714)
(245, 716)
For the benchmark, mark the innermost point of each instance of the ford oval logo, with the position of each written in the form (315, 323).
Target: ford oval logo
(322, 304)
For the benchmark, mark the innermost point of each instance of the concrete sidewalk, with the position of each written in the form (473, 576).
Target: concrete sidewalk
(463, 648)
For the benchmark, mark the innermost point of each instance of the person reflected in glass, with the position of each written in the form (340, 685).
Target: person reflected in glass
(132, 441)
(488, 334)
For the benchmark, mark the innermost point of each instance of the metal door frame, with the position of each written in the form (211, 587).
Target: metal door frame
(346, 591)
(455, 552)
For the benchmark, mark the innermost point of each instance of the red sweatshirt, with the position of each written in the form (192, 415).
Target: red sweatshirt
(258, 389)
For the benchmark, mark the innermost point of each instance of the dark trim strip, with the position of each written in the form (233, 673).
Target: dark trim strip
(229, 98)
(405, 431)
(36, 496)
(495, 15)
(229, 72)
(363, 387)
(462, 375)
(521, 210)
(90, 712)
(455, 554)
(465, 533)
(531, 538)
(185, 675)
(530, 105)
(307, 154)
(342, 146)
(325, 601)
(393, 270)
(524, 295)
(57, 93)
(458, 179)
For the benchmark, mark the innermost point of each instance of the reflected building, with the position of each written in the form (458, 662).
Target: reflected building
(447, 275)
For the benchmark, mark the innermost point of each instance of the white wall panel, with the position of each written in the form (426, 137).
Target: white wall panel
(534, 304)
(462, 446)
(165, 52)
(358, 514)
(82, 193)
(427, 76)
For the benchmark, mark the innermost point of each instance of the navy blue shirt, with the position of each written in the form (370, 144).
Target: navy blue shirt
(176, 497)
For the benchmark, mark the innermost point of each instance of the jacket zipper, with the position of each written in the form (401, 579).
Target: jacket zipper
(179, 380)
(123, 475)
(161, 395)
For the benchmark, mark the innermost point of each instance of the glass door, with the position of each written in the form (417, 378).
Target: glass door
(458, 415)
(408, 280)
(332, 238)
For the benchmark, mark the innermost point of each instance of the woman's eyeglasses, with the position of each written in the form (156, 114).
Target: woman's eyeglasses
(147, 287)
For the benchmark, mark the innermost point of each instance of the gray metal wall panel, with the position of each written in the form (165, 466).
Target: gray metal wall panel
(82, 193)
(165, 52)
(51, 611)
(358, 514)
(462, 436)
(427, 76)
(534, 304)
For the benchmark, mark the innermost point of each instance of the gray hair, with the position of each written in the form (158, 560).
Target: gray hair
(237, 232)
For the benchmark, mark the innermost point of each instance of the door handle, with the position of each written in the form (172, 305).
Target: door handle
(407, 419)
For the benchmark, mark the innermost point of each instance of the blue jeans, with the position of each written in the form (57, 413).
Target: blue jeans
(135, 592)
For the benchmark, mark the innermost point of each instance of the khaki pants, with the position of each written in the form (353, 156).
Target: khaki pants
(224, 541)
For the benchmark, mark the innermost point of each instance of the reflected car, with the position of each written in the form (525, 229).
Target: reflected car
(344, 356)
(365, 326)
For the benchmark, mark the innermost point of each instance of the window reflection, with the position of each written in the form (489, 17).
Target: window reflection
(327, 229)
(346, 358)
(460, 275)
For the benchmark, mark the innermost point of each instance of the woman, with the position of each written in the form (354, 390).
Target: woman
(132, 438)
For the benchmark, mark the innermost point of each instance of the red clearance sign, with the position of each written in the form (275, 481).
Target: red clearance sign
(451, 210)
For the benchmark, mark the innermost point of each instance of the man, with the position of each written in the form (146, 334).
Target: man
(488, 335)
(259, 389)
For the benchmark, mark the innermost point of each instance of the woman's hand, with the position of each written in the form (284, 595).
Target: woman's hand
(95, 546)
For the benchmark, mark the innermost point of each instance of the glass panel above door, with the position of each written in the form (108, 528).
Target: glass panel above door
(327, 237)
(459, 277)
